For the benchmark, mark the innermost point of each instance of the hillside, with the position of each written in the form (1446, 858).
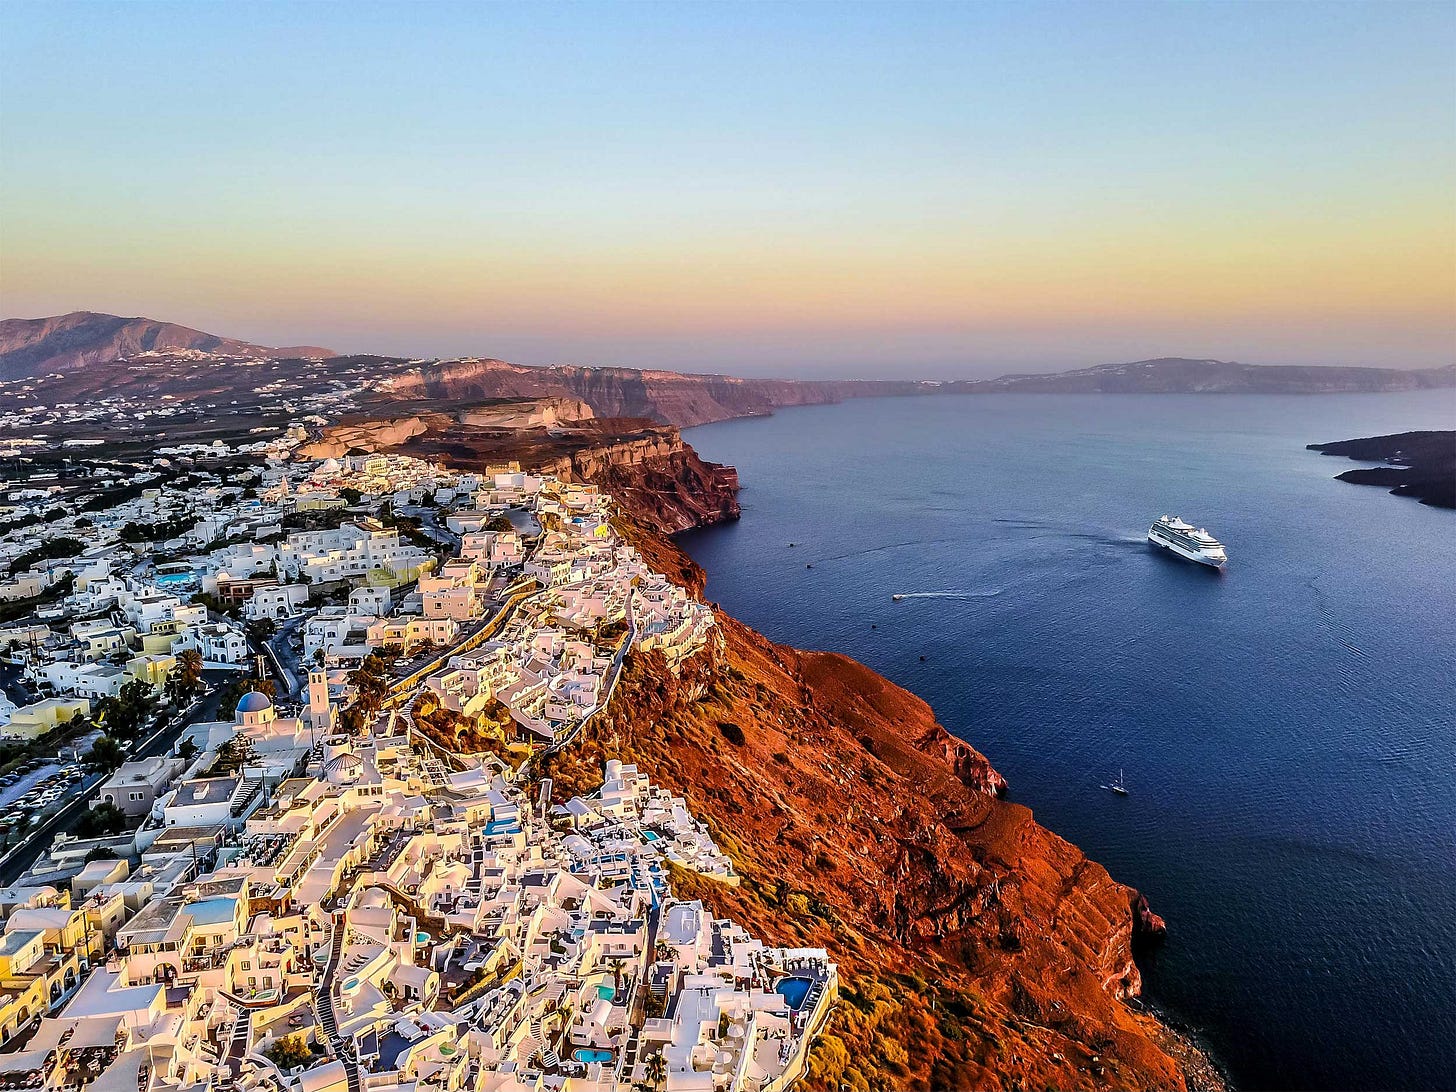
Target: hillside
(976, 948)
(65, 343)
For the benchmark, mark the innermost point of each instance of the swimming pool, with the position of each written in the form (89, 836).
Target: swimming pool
(586, 1054)
(606, 991)
(794, 990)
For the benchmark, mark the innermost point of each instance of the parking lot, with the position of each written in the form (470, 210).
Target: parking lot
(37, 790)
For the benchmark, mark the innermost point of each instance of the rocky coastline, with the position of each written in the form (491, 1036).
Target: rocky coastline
(1423, 464)
(980, 949)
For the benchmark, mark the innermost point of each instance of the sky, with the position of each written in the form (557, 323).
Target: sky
(769, 188)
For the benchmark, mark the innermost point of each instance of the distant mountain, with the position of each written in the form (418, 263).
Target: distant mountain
(36, 347)
(80, 356)
(1180, 375)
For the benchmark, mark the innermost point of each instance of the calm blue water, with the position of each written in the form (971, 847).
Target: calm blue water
(1286, 728)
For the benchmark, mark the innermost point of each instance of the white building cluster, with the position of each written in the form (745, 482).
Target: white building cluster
(329, 912)
(401, 926)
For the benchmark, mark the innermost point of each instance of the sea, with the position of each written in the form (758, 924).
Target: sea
(1286, 728)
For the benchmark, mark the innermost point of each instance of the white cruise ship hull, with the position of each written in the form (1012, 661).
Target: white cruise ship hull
(1188, 554)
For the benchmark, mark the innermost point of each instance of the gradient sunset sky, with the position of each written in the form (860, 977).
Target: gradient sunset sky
(808, 189)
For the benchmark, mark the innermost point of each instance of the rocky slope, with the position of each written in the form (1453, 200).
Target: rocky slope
(64, 343)
(669, 397)
(977, 949)
(1425, 464)
(657, 476)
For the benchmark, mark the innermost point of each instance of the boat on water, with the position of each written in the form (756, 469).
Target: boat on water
(897, 597)
(1117, 786)
(1188, 542)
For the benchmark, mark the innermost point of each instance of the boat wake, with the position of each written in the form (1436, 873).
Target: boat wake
(1105, 537)
(988, 594)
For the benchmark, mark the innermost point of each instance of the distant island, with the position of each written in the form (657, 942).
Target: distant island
(77, 358)
(1424, 464)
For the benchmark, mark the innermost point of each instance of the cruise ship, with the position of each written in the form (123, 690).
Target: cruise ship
(1183, 539)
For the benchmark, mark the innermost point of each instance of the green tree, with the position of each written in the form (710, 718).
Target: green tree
(233, 755)
(289, 1052)
(124, 714)
(499, 523)
(189, 671)
(371, 681)
(46, 551)
(106, 754)
(100, 821)
(187, 749)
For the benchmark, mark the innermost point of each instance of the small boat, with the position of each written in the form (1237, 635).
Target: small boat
(897, 597)
(1117, 786)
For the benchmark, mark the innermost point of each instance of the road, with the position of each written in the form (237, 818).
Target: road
(430, 524)
(14, 686)
(285, 659)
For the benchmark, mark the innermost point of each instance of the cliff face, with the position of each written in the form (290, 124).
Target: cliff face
(977, 948)
(667, 397)
(658, 477)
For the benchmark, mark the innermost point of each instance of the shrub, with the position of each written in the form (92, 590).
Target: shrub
(731, 732)
(288, 1052)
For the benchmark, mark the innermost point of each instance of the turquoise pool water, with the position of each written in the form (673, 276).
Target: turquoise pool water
(606, 993)
(651, 835)
(586, 1054)
(794, 990)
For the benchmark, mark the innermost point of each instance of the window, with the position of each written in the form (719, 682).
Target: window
(134, 796)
